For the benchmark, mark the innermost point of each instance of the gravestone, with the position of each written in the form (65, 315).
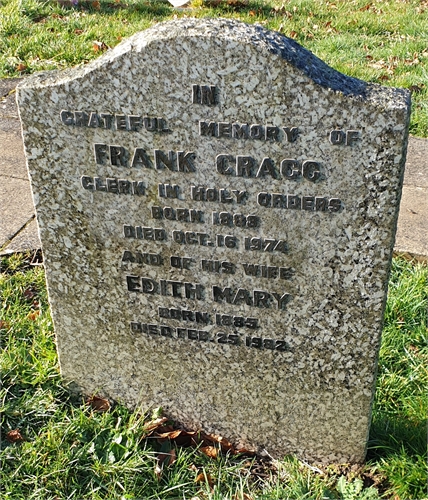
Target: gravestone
(217, 209)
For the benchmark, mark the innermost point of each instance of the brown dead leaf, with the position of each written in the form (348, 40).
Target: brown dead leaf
(78, 32)
(164, 460)
(99, 46)
(169, 435)
(96, 5)
(244, 451)
(252, 13)
(293, 34)
(416, 88)
(154, 424)
(237, 4)
(14, 436)
(29, 293)
(366, 7)
(4, 325)
(33, 315)
(214, 438)
(242, 496)
(204, 478)
(98, 404)
(21, 67)
(210, 451)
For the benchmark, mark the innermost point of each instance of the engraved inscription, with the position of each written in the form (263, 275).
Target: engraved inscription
(248, 131)
(294, 202)
(202, 193)
(256, 298)
(235, 339)
(112, 185)
(150, 259)
(217, 266)
(181, 262)
(238, 220)
(168, 191)
(346, 137)
(272, 272)
(179, 289)
(289, 169)
(179, 214)
(113, 121)
(144, 233)
(236, 321)
(184, 315)
(205, 94)
(119, 156)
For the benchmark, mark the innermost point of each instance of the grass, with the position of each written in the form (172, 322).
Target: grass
(382, 41)
(64, 448)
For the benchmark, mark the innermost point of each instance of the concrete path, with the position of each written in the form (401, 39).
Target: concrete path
(18, 227)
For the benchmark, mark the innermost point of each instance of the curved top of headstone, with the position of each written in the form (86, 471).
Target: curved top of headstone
(231, 30)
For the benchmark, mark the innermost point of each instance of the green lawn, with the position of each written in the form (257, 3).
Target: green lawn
(383, 41)
(56, 446)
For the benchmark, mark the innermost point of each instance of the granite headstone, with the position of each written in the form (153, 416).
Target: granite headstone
(217, 209)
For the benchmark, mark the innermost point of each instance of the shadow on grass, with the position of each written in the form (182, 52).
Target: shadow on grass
(391, 435)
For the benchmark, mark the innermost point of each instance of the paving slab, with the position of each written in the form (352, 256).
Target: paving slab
(17, 207)
(416, 173)
(26, 239)
(412, 232)
(12, 159)
(18, 228)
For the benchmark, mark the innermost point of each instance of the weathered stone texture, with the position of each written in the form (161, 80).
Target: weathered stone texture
(309, 389)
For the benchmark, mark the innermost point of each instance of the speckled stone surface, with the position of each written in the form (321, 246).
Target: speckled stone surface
(158, 306)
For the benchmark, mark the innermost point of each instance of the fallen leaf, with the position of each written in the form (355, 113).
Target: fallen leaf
(169, 435)
(242, 496)
(237, 3)
(204, 478)
(164, 460)
(167, 458)
(293, 34)
(98, 404)
(366, 7)
(213, 438)
(416, 88)
(29, 293)
(5, 325)
(33, 315)
(21, 67)
(99, 46)
(96, 5)
(14, 436)
(78, 32)
(209, 451)
(154, 424)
